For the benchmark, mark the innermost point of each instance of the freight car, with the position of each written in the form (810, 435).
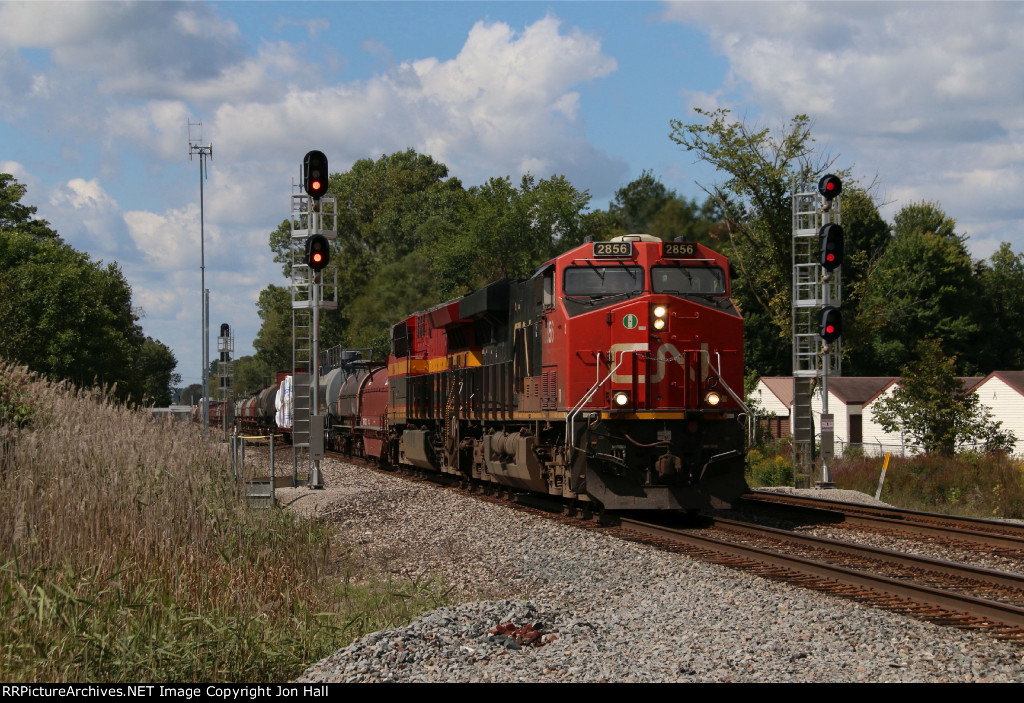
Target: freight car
(611, 376)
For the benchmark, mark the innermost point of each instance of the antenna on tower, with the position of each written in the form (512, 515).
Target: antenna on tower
(195, 145)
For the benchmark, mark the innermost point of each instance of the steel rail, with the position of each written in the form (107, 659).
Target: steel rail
(992, 577)
(1004, 535)
(994, 612)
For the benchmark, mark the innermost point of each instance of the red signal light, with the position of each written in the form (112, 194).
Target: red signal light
(830, 187)
(318, 252)
(830, 323)
(830, 246)
(314, 174)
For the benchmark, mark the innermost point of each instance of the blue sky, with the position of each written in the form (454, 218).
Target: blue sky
(922, 98)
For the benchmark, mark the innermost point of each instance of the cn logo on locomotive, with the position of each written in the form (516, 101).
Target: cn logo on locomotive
(665, 351)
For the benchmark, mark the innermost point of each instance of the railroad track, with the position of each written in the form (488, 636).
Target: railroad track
(939, 591)
(994, 535)
(942, 592)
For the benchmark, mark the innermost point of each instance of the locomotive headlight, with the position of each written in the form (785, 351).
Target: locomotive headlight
(621, 399)
(713, 398)
(659, 323)
(660, 311)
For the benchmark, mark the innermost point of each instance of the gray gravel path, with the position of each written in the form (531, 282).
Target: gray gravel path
(612, 611)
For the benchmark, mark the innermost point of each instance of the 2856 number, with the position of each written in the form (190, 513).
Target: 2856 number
(679, 249)
(613, 248)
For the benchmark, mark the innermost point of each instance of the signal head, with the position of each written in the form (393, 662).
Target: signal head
(830, 187)
(830, 246)
(830, 323)
(314, 174)
(318, 252)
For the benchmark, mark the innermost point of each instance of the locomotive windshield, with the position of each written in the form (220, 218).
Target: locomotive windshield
(702, 280)
(594, 280)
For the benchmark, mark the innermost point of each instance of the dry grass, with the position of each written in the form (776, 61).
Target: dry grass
(126, 555)
(973, 485)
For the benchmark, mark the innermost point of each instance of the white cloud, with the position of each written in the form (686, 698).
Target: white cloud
(121, 81)
(505, 100)
(925, 94)
(89, 219)
(18, 171)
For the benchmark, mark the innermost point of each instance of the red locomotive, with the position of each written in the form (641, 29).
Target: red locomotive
(612, 375)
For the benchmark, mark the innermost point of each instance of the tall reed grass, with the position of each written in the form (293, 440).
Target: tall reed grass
(126, 555)
(973, 485)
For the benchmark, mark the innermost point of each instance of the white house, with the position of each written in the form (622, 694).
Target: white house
(877, 441)
(847, 396)
(1003, 393)
(853, 399)
(774, 395)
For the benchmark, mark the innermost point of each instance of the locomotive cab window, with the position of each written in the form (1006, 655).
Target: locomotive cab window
(549, 287)
(600, 281)
(702, 280)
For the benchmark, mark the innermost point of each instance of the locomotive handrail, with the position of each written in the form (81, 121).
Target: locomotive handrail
(570, 420)
(746, 408)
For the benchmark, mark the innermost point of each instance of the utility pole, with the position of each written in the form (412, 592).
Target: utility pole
(195, 148)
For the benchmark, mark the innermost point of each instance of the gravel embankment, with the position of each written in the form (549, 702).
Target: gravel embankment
(617, 611)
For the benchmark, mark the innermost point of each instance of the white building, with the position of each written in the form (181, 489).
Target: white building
(1003, 393)
(853, 399)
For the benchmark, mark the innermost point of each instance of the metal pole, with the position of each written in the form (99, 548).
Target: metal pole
(315, 480)
(206, 302)
(273, 479)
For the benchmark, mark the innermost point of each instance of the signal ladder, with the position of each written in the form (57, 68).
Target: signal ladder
(812, 358)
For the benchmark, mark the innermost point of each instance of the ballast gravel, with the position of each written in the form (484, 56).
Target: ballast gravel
(606, 610)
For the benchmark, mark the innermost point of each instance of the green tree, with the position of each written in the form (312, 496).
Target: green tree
(509, 231)
(932, 407)
(755, 199)
(14, 216)
(69, 317)
(155, 364)
(252, 375)
(192, 394)
(273, 343)
(866, 237)
(387, 209)
(646, 205)
(1000, 341)
(922, 286)
(639, 201)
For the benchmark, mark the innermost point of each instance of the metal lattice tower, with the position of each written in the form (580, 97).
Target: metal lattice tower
(225, 373)
(813, 289)
(307, 218)
(225, 366)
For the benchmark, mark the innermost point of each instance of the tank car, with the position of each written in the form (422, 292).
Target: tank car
(612, 376)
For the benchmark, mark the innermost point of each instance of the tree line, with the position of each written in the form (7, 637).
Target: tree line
(411, 236)
(69, 317)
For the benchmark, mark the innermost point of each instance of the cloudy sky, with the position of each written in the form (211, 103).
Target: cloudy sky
(95, 98)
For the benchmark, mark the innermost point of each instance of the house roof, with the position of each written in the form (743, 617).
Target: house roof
(782, 387)
(969, 382)
(1014, 379)
(857, 390)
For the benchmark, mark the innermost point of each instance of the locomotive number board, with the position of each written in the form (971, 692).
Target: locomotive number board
(623, 249)
(679, 249)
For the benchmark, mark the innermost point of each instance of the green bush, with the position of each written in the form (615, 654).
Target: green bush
(768, 469)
